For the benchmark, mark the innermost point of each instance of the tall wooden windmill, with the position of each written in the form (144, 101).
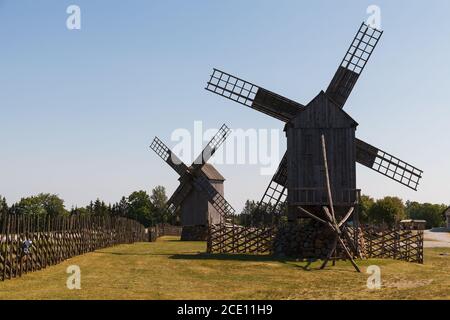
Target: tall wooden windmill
(200, 194)
(300, 177)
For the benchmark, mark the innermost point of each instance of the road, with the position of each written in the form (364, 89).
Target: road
(437, 238)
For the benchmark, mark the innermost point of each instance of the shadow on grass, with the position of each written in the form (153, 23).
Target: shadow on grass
(304, 264)
(135, 254)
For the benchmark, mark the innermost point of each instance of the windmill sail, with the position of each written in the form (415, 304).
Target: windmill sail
(212, 147)
(353, 64)
(168, 156)
(179, 195)
(215, 198)
(276, 192)
(250, 95)
(388, 165)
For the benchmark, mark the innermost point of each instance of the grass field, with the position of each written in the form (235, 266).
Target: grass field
(170, 269)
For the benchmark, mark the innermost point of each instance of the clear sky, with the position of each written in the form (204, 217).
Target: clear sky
(79, 108)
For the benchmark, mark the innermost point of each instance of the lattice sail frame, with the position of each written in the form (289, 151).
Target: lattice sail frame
(276, 192)
(388, 165)
(168, 156)
(353, 64)
(231, 87)
(212, 146)
(361, 49)
(252, 96)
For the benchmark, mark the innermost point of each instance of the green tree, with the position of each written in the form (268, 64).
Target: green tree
(365, 206)
(3, 205)
(120, 208)
(431, 213)
(79, 212)
(100, 208)
(140, 208)
(387, 211)
(248, 213)
(43, 204)
(159, 201)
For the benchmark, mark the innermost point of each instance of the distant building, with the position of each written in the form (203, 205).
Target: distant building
(447, 216)
(413, 224)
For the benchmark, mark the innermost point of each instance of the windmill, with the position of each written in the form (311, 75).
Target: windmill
(300, 179)
(200, 193)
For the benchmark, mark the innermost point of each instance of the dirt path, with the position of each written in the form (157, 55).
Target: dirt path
(437, 238)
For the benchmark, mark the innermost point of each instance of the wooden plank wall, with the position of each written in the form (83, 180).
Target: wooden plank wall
(57, 239)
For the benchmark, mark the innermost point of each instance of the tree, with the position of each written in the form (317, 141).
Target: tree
(431, 213)
(79, 212)
(251, 214)
(100, 209)
(3, 205)
(43, 204)
(387, 211)
(248, 213)
(159, 201)
(365, 206)
(140, 208)
(120, 209)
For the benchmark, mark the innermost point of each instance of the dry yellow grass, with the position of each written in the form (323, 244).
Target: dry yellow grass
(170, 269)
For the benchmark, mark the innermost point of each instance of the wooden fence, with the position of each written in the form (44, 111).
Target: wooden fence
(30, 243)
(229, 238)
(398, 244)
(405, 245)
(163, 229)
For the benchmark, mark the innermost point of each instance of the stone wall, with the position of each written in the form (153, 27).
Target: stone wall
(194, 233)
(305, 239)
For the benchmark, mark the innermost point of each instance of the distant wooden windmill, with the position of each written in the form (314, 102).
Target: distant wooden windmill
(200, 194)
(300, 178)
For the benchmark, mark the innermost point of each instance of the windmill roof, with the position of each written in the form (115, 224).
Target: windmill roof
(322, 104)
(212, 172)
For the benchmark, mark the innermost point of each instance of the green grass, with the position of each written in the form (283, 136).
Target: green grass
(170, 269)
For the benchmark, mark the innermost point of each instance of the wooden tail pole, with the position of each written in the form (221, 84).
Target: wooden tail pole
(327, 177)
(333, 224)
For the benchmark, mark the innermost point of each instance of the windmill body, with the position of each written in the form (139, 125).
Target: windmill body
(306, 179)
(196, 211)
(199, 199)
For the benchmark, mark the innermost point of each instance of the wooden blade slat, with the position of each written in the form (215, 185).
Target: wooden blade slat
(179, 195)
(215, 198)
(253, 96)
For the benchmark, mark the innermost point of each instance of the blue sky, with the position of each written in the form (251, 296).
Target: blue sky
(79, 108)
